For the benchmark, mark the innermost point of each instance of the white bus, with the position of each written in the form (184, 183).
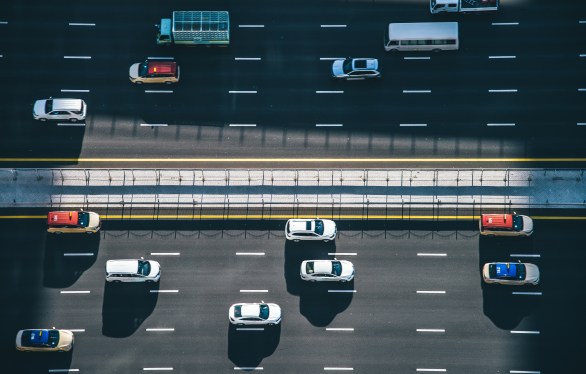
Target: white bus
(423, 36)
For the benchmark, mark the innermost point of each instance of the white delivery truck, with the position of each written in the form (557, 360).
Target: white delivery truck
(462, 6)
(191, 27)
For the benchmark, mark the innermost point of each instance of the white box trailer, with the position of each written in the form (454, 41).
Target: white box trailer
(462, 6)
(195, 28)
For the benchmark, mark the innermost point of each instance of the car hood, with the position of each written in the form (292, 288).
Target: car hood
(527, 224)
(337, 67)
(133, 71)
(347, 268)
(274, 312)
(155, 268)
(532, 273)
(65, 338)
(329, 228)
(94, 220)
(39, 107)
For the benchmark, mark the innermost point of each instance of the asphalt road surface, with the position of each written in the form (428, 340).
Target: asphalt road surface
(417, 301)
(515, 89)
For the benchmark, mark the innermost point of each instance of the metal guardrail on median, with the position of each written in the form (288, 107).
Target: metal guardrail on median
(280, 193)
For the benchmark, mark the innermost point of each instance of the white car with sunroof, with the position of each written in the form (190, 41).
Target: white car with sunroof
(245, 314)
(327, 271)
(310, 229)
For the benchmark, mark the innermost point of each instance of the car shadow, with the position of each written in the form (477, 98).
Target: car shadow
(67, 257)
(321, 302)
(247, 348)
(36, 362)
(126, 306)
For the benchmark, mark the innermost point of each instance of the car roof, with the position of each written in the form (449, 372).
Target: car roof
(365, 64)
(302, 225)
(162, 67)
(250, 310)
(62, 217)
(497, 221)
(122, 266)
(322, 266)
(504, 269)
(67, 104)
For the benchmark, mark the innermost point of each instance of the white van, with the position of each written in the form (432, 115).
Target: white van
(422, 36)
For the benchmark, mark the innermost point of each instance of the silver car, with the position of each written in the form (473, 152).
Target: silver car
(254, 314)
(327, 270)
(310, 229)
(510, 273)
(356, 68)
(60, 109)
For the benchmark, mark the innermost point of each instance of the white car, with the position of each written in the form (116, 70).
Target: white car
(327, 270)
(141, 270)
(356, 68)
(44, 340)
(310, 229)
(510, 273)
(60, 109)
(242, 314)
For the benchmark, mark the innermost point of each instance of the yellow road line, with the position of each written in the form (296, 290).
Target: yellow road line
(296, 160)
(279, 216)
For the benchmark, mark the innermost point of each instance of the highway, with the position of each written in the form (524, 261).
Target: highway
(417, 301)
(513, 95)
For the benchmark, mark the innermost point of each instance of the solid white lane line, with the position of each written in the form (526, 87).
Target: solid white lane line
(329, 92)
(330, 58)
(77, 254)
(153, 125)
(158, 91)
(339, 329)
(329, 125)
(416, 91)
(247, 368)
(524, 372)
(251, 25)
(158, 369)
(63, 370)
(242, 92)
(242, 125)
(160, 58)
(342, 291)
(78, 57)
(74, 292)
(326, 26)
(81, 24)
(247, 58)
(528, 293)
(253, 291)
(76, 330)
(431, 330)
(250, 253)
(431, 292)
(505, 23)
(71, 124)
(160, 329)
(524, 255)
(505, 90)
(416, 58)
(501, 57)
(433, 370)
(525, 332)
(413, 124)
(330, 368)
(342, 254)
(165, 253)
(164, 291)
(432, 254)
(500, 124)
(250, 329)
(71, 90)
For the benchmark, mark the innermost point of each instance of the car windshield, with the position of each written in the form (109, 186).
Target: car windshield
(48, 106)
(40, 338)
(518, 223)
(336, 268)
(144, 267)
(143, 69)
(347, 66)
(309, 267)
(83, 219)
(264, 311)
(319, 227)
